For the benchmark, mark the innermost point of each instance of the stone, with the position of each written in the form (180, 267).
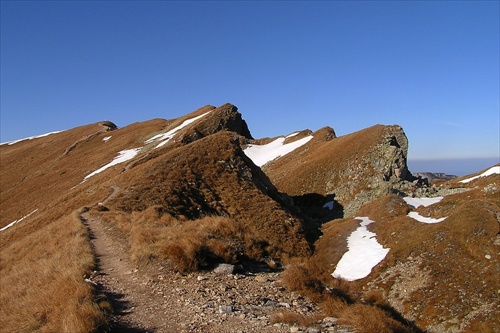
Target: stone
(224, 269)
(330, 320)
(225, 308)
(260, 278)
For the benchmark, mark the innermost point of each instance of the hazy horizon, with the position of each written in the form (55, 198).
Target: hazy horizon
(453, 166)
(429, 66)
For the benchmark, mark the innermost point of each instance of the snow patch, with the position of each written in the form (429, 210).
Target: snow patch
(417, 202)
(165, 137)
(489, 172)
(291, 135)
(123, 156)
(328, 205)
(262, 154)
(129, 154)
(17, 221)
(364, 252)
(29, 138)
(423, 219)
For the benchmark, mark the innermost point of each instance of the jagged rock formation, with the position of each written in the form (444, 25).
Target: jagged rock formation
(354, 169)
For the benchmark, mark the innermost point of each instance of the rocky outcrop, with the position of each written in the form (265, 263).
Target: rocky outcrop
(223, 118)
(326, 133)
(354, 169)
(378, 172)
(108, 125)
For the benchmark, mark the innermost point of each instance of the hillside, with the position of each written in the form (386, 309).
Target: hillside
(97, 208)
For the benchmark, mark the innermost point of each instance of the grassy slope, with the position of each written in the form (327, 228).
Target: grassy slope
(208, 178)
(200, 202)
(437, 275)
(44, 258)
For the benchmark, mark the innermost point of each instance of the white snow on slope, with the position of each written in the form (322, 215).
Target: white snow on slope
(129, 154)
(165, 137)
(17, 221)
(123, 156)
(363, 254)
(489, 172)
(29, 138)
(423, 219)
(416, 202)
(262, 154)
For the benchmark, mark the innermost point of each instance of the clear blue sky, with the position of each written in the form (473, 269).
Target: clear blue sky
(429, 66)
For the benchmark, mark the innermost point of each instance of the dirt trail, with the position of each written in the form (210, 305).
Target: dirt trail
(137, 307)
(156, 299)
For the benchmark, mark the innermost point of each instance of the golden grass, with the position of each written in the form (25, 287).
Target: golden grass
(184, 184)
(198, 201)
(446, 252)
(339, 298)
(310, 170)
(42, 277)
(366, 318)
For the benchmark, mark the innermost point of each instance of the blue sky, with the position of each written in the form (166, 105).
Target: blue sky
(431, 67)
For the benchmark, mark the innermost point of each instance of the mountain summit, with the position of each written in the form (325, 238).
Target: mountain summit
(342, 219)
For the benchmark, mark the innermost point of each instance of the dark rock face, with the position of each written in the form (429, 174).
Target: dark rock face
(326, 133)
(108, 124)
(223, 118)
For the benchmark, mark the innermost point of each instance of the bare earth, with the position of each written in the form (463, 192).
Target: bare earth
(156, 299)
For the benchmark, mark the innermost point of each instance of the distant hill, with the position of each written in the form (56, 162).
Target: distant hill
(199, 190)
(434, 175)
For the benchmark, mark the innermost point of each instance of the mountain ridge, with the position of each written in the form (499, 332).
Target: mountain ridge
(187, 193)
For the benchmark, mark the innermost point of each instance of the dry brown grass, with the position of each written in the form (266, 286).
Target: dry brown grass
(197, 244)
(198, 200)
(320, 161)
(186, 184)
(446, 251)
(44, 258)
(42, 277)
(340, 299)
(365, 318)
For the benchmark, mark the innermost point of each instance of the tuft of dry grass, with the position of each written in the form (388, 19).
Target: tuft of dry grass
(303, 278)
(189, 245)
(371, 319)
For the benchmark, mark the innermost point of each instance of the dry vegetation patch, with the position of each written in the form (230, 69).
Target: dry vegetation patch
(211, 177)
(42, 275)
